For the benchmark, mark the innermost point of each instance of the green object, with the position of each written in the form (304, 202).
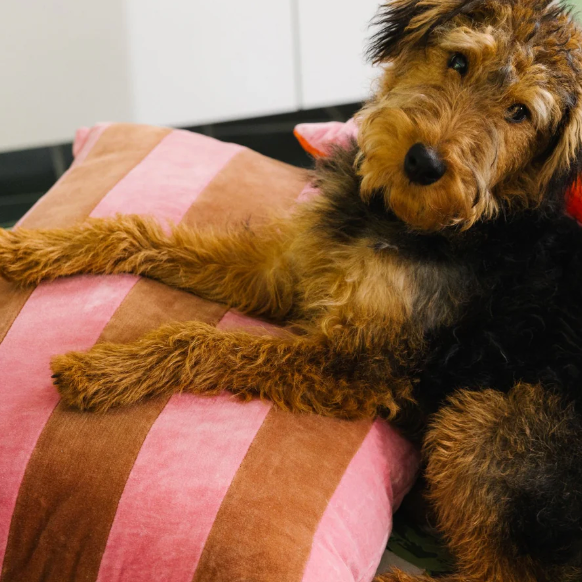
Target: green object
(425, 550)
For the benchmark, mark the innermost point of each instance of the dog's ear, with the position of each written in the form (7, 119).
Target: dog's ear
(404, 22)
(563, 162)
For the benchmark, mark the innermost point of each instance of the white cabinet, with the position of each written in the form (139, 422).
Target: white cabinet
(63, 63)
(198, 61)
(333, 41)
(67, 63)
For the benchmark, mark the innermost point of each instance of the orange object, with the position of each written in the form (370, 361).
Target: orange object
(574, 197)
(307, 146)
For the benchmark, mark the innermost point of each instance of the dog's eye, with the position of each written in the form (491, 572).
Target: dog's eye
(517, 113)
(459, 63)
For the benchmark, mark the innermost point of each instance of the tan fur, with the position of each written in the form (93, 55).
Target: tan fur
(300, 375)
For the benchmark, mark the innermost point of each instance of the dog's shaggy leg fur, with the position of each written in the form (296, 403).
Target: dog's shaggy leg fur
(399, 576)
(297, 374)
(246, 271)
(499, 482)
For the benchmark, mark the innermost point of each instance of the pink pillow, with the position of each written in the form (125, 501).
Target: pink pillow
(185, 488)
(318, 138)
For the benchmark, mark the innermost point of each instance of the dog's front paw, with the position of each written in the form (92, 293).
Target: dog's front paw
(75, 382)
(94, 380)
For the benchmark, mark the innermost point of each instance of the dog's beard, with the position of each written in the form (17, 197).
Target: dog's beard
(460, 198)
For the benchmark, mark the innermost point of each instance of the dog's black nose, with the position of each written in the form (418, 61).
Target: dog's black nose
(423, 165)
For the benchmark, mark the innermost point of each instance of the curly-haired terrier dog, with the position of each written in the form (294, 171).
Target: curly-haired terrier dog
(436, 281)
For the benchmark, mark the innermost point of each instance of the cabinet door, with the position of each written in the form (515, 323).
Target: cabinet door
(196, 61)
(63, 64)
(333, 39)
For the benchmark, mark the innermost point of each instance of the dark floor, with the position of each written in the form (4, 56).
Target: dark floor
(26, 175)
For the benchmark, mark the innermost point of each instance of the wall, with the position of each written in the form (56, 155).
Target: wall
(67, 63)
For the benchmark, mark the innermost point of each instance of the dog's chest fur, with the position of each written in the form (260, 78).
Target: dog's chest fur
(360, 258)
(373, 266)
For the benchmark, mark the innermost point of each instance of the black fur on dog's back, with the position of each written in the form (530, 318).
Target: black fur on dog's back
(526, 325)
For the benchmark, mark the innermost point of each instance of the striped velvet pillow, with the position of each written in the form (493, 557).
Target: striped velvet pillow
(181, 489)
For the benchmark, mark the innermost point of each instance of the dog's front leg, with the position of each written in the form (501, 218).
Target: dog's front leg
(299, 374)
(245, 269)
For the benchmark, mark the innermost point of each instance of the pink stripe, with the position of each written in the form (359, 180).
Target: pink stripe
(184, 163)
(174, 492)
(70, 314)
(352, 534)
(85, 140)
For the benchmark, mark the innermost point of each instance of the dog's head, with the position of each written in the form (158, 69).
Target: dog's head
(479, 108)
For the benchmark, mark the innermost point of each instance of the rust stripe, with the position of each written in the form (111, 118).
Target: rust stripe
(76, 475)
(12, 300)
(250, 187)
(150, 304)
(78, 192)
(265, 526)
(57, 529)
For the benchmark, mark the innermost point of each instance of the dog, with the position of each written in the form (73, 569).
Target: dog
(435, 281)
